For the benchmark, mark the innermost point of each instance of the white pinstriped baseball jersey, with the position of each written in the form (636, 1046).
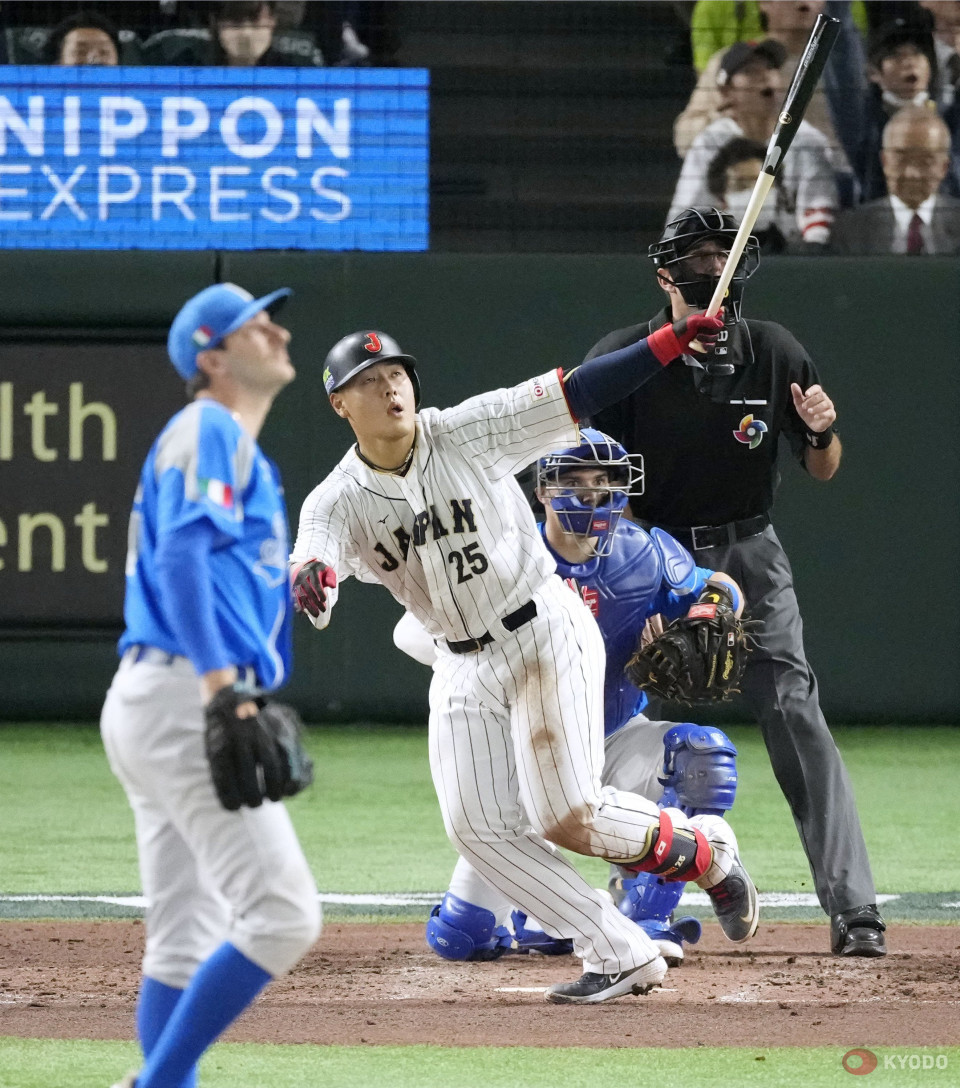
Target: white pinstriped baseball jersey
(453, 539)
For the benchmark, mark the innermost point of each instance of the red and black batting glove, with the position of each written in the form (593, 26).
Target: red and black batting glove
(311, 580)
(672, 341)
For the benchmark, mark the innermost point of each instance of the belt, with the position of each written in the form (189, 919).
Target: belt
(152, 655)
(699, 537)
(523, 615)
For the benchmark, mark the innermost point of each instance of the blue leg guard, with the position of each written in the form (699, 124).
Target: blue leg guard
(650, 902)
(534, 939)
(700, 778)
(699, 770)
(458, 930)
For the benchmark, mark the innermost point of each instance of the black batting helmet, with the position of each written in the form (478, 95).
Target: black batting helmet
(691, 227)
(359, 350)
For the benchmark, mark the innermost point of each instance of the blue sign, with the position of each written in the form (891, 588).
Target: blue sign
(214, 158)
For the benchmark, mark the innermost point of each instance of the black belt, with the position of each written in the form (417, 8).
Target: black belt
(699, 537)
(153, 655)
(523, 615)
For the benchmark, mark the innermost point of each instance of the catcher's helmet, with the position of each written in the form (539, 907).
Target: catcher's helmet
(359, 350)
(625, 475)
(688, 229)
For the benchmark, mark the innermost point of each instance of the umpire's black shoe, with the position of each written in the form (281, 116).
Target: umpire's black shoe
(858, 932)
(591, 988)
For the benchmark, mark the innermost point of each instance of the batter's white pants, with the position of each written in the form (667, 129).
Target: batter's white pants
(516, 752)
(633, 757)
(208, 875)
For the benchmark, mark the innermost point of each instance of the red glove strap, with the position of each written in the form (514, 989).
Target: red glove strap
(665, 345)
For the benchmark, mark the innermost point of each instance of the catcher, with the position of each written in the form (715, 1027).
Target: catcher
(659, 614)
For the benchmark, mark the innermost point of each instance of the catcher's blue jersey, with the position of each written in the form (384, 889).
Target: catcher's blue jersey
(625, 589)
(204, 465)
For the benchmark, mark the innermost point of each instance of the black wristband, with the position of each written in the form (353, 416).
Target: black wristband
(819, 440)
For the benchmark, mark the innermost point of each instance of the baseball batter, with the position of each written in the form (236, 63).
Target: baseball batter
(427, 505)
(627, 578)
(231, 901)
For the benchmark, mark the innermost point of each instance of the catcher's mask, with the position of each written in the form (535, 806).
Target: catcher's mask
(683, 234)
(598, 514)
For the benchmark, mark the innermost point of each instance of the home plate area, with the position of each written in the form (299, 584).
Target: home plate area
(380, 984)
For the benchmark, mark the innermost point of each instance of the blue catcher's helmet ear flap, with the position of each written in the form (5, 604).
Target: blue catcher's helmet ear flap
(585, 508)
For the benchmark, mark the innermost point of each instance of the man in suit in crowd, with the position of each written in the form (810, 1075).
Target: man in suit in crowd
(913, 217)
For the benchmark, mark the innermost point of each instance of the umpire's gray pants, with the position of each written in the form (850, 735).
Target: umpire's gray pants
(781, 690)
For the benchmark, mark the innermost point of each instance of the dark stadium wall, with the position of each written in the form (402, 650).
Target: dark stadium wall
(869, 549)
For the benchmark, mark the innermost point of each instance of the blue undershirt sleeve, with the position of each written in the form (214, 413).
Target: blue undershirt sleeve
(609, 378)
(186, 587)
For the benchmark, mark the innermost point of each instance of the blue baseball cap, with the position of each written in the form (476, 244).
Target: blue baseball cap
(210, 316)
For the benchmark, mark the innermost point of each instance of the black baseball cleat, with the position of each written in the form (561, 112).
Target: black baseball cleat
(858, 932)
(591, 988)
(736, 904)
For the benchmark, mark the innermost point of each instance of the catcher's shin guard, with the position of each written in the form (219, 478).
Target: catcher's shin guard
(529, 937)
(646, 897)
(699, 770)
(674, 853)
(458, 930)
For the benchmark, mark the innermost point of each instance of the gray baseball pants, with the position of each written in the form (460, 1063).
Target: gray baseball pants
(780, 688)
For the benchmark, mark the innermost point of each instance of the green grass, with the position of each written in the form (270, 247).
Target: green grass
(41, 1063)
(371, 823)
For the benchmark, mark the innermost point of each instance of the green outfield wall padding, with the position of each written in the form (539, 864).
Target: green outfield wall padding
(871, 549)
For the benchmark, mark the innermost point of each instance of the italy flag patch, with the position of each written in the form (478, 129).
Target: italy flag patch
(219, 493)
(202, 336)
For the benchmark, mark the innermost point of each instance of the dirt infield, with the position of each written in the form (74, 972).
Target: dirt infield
(380, 984)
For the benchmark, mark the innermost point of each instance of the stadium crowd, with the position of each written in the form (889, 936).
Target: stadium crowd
(875, 166)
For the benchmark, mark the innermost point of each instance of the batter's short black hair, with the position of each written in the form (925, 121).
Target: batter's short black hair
(739, 149)
(54, 43)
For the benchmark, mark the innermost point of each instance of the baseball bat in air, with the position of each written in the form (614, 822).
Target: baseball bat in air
(822, 37)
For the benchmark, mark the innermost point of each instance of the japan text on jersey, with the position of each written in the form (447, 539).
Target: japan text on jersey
(453, 539)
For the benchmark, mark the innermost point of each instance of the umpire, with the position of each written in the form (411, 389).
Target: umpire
(709, 429)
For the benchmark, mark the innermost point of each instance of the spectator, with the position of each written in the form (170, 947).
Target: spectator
(946, 38)
(86, 37)
(242, 34)
(790, 25)
(730, 179)
(751, 87)
(913, 217)
(901, 67)
(716, 24)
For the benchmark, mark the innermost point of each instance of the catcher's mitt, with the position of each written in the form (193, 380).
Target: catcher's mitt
(699, 658)
(258, 757)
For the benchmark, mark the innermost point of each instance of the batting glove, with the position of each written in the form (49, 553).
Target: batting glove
(311, 580)
(672, 341)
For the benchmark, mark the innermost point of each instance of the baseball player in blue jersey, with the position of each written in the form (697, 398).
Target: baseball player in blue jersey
(633, 582)
(231, 901)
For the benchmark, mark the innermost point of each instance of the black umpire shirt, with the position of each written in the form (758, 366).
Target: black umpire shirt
(709, 442)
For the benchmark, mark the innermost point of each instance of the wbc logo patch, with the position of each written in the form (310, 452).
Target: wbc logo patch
(750, 432)
(202, 336)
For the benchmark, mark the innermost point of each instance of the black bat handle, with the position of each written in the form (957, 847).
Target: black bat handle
(811, 65)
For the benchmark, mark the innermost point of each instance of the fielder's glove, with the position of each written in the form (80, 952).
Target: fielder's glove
(257, 757)
(699, 658)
